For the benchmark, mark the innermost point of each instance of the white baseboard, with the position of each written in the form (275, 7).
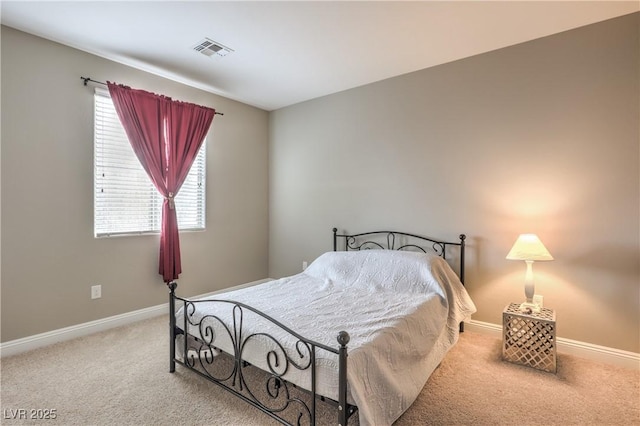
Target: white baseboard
(590, 351)
(17, 346)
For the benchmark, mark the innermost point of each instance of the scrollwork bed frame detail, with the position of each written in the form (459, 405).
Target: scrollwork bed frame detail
(278, 360)
(365, 241)
(352, 242)
(199, 354)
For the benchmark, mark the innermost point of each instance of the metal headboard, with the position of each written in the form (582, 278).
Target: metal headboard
(365, 241)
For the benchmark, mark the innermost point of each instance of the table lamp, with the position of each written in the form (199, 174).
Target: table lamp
(529, 248)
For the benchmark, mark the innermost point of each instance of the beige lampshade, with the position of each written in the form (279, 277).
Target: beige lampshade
(529, 247)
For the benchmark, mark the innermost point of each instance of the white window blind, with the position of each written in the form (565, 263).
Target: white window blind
(125, 200)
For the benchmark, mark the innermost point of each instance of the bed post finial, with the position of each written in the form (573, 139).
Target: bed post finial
(343, 338)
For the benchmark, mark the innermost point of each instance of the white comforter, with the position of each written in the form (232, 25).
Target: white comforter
(401, 309)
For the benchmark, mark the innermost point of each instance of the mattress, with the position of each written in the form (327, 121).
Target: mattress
(401, 309)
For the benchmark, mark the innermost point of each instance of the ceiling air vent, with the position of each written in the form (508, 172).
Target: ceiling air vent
(209, 47)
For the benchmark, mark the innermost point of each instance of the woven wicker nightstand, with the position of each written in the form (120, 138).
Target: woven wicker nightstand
(529, 338)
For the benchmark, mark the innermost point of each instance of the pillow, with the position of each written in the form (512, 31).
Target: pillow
(379, 270)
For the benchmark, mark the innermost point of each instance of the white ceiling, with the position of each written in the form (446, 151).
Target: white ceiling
(289, 52)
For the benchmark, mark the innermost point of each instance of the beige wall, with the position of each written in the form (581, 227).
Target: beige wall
(540, 137)
(49, 255)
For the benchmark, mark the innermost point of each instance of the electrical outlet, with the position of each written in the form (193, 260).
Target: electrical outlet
(96, 291)
(537, 299)
(304, 265)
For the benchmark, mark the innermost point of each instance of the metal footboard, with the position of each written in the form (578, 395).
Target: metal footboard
(217, 352)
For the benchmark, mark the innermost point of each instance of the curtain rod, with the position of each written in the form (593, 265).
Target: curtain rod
(89, 79)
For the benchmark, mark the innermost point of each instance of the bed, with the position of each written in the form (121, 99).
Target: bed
(360, 330)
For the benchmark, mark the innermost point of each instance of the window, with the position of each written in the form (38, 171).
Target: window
(125, 200)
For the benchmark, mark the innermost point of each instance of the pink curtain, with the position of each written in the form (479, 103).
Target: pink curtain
(165, 136)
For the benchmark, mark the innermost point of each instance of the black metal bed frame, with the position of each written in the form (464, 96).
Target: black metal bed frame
(201, 355)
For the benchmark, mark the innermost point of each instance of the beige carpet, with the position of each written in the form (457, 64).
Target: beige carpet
(119, 377)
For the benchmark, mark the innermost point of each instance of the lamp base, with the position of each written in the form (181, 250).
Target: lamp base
(528, 307)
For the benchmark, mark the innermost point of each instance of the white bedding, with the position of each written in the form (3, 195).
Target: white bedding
(401, 309)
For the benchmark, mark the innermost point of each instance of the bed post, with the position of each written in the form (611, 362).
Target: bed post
(463, 237)
(335, 239)
(462, 247)
(172, 325)
(343, 339)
